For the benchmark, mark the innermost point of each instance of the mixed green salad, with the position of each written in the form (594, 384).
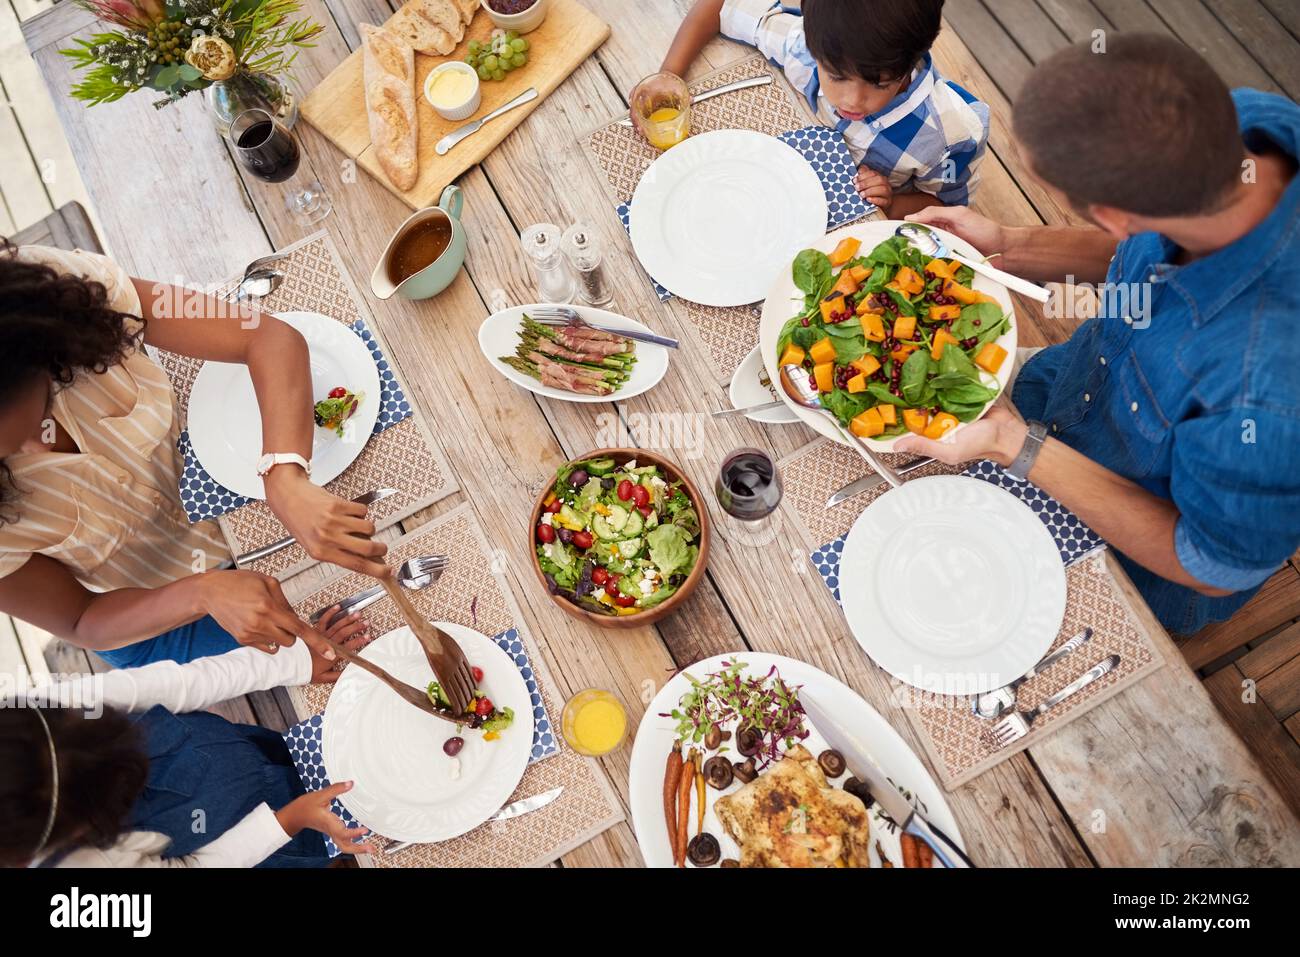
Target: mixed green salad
(894, 341)
(616, 539)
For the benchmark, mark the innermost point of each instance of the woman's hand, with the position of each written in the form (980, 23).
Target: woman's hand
(251, 607)
(998, 436)
(982, 233)
(328, 527)
(312, 810)
(874, 188)
(351, 631)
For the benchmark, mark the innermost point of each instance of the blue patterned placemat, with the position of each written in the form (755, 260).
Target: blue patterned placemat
(1073, 538)
(304, 738)
(203, 497)
(827, 153)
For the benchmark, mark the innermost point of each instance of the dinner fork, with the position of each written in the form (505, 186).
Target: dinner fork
(414, 574)
(1017, 724)
(993, 704)
(559, 315)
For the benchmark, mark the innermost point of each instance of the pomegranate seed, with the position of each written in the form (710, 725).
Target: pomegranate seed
(805, 323)
(477, 672)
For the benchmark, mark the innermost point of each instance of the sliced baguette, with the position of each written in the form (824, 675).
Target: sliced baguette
(388, 69)
(422, 33)
(467, 9)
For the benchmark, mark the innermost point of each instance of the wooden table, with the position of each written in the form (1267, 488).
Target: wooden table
(1151, 777)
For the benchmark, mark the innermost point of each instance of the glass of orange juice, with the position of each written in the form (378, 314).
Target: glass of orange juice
(593, 722)
(661, 109)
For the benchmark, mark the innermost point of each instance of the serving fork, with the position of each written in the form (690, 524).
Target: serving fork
(1017, 724)
(445, 657)
(412, 696)
(563, 315)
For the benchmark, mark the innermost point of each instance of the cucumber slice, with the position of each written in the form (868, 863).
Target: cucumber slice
(600, 466)
(601, 527)
(569, 516)
(634, 524)
(651, 520)
(629, 548)
(617, 517)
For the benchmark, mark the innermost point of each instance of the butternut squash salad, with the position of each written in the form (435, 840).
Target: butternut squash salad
(894, 342)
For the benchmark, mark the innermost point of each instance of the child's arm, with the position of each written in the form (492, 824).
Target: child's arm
(701, 25)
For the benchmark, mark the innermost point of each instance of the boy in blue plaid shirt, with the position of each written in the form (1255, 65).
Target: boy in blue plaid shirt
(864, 67)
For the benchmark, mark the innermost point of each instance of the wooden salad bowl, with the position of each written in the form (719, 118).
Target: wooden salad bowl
(674, 475)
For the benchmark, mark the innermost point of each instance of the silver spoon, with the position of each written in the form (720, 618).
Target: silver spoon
(258, 284)
(794, 380)
(929, 243)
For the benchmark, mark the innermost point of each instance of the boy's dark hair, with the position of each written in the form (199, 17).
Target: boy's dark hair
(1147, 127)
(874, 40)
(102, 772)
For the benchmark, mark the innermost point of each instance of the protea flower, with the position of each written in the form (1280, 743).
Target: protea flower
(211, 56)
(138, 15)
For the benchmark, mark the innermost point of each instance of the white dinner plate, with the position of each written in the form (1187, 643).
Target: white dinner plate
(655, 736)
(405, 787)
(952, 584)
(716, 218)
(785, 300)
(499, 336)
(225, 422)
(750, 385)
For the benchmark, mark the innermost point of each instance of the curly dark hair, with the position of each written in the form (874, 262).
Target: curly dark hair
(102, 772)
(874, 40)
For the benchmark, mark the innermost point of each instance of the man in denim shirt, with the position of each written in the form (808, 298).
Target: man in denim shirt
(1170, 423)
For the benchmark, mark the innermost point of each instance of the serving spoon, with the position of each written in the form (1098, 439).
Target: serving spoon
(794, 380)
(928, 242)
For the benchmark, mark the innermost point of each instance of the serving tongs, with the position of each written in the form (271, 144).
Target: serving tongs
(448, 662)
(412, 696)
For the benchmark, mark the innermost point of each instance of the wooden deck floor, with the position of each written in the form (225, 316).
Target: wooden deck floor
(1250, 664)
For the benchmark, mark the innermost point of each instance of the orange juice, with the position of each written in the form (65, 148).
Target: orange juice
(593, 722)
(666, 127)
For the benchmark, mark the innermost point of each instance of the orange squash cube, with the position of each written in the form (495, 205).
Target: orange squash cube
(873, 327)
(909, 281)
(940, 425)
(846, 284)
(846, 250)
(888, 413)
(901, 353)
(823, 350)
(824, 372)
(868, 365)
(916, 420)
(793, 355)
(866, 306)
(941, 338)
(858, 383)
(904, 327)
(984, 297)
(943, 313)
(867, 424)
(940, 268)
(833, 305)
(959, 292)
(860, 274)
(991, 357)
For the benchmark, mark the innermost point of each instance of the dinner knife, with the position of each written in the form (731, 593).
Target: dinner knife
(870, 482)
(370, 498)
(469, 129)
(362, 599)
(763, 80)
(520, 807)
(890, 799)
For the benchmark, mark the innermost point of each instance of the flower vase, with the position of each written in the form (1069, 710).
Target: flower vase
(226, 99)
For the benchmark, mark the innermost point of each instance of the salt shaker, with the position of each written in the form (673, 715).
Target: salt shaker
(582, 249)
(542, 244)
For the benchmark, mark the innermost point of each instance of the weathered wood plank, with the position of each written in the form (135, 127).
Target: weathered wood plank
(1280, 689)
(1278, 752)
(1277, 602)
(1077, 19)
(1033, 31)
(1270, 654)
(1006, 63)
(1191, 22)
(1267, 41)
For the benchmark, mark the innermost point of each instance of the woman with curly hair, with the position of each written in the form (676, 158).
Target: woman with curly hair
(94, 545)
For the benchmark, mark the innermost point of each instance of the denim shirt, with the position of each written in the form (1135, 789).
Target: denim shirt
(1195, 394)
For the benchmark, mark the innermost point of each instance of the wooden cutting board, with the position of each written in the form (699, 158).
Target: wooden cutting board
(569, 34)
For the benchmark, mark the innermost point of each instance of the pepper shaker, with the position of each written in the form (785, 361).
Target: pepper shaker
(541, 243)
(582, 249)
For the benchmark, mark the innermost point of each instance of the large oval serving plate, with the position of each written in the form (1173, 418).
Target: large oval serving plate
(718, 217)
(404, 787)
(499, 336)
(784, 300)
(225, 422)
(952, 584)
(655, 736)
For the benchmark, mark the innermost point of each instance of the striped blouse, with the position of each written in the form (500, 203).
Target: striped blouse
(111, 513)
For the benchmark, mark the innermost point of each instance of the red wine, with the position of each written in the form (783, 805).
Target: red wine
(748, 487)
(268, 151)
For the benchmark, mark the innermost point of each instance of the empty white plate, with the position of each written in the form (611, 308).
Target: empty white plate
(225, 422)
(717, 218)
(952, 584)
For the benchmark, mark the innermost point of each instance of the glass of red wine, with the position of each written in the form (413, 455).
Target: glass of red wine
(265, 147)
(748, 485)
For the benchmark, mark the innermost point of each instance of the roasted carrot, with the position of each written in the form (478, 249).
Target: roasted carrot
(911, 853)
(672, 775)
(927, 854)
(684, 810)
(699, 793)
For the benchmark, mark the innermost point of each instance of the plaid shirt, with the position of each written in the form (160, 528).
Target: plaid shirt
(930, 137)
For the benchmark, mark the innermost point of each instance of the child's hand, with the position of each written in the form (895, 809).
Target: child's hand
(312, 810)
(347, 630)
(873, 187)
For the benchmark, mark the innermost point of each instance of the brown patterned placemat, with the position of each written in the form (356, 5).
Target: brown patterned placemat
(403, 456)
(472, 593)
(960, 744)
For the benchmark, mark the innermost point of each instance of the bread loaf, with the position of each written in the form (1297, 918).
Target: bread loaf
(389, 75)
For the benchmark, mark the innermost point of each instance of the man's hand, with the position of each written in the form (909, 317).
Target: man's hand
(312, 810)
(331, 529)
(251, 607)
(982, 233)
(873, 187)
(998, 436)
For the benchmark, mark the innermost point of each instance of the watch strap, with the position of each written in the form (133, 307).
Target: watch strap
(272, 459)
(1024, 462)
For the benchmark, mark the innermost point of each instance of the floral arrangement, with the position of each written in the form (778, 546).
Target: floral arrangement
(178, 46)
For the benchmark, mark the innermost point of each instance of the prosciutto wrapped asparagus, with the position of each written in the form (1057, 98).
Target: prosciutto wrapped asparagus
(573, 357)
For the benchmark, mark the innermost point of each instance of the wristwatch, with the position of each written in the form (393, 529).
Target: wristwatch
(1024, 462)
(271, 459)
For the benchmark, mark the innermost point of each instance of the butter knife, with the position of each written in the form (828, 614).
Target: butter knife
(522, 806)
(370, 498)
(871, 481)
(763, 80)
(469, 129)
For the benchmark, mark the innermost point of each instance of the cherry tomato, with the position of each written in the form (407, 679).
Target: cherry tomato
(477, 672)
(640, 495)
(625, 601)
(599, 576)
(583, 539)
(611, 585)
(338, 392)
(483, 707)
(645, 510)
(555, 506)
(625, 490)
(545, 534)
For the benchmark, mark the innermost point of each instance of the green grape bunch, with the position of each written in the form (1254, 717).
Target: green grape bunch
(503, 53)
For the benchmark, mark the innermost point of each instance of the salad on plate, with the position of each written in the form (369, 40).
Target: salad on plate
(616, 539)
(894, 341)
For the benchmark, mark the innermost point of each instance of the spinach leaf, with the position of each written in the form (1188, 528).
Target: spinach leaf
(955, 362)
(975, 318)
(886, 252)
(968, 393)
(811, 272)
(905, 307)
(845, 405)
(848, 348)
(849, 327)
(881, 392)
(876, 281)
(993, 332)
(913, 379)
